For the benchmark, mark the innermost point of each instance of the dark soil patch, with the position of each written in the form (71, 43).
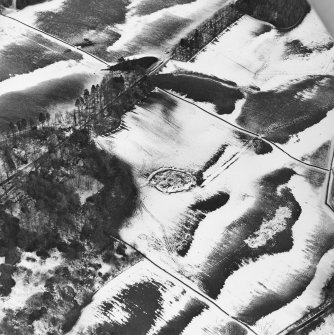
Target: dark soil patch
(233, 250)
(283, 14)
(77, 17)
(28, 57)
(331, 196)
(233, 328)
(195, 214)
(320, 157)
(181, 321)
(215, 158)
(211, 204)
(89, 19)
(296, 47)
(133, 64)
(143, 305)
(316, 178)
(201, 89)
(280, 114)
(261, 147)
(20, 4)
(265, 28)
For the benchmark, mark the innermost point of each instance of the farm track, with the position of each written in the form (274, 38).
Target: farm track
(248, 132)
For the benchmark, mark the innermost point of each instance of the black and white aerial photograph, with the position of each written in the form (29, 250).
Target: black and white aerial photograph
(166, 167)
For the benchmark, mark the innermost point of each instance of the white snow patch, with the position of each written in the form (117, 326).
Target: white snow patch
(269, 228)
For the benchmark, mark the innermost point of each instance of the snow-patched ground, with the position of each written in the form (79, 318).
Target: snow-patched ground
(140, 25)
(144, 281)
(166, 132)
(271, 288)
(311, 298)
(275, 273)
(169, 132)
(244, 55)
(151, 31)
(252, 52)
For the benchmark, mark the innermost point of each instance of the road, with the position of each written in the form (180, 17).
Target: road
(187, 284)
(56, 39)
(248, 132)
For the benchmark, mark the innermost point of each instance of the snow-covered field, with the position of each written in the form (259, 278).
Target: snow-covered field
(254, 53)
(264, 253)
(273, 200)
(172, 307)
(250, 231)
(251, 52)
(119, 27)
(173, 22)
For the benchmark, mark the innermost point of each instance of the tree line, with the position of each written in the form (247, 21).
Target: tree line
(23, 124)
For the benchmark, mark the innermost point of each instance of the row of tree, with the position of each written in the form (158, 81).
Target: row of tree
(23, 124)
(206, 32)
(100, 99)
